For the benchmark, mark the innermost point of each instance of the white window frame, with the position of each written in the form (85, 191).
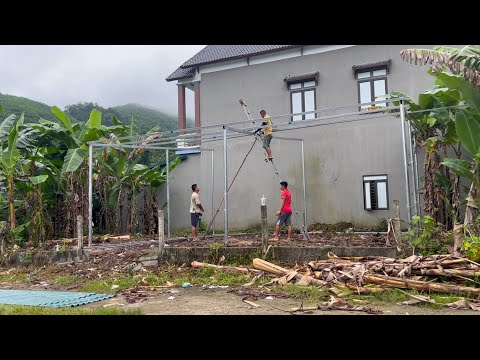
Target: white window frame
(370, 184)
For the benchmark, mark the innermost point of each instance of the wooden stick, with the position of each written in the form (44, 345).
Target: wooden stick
(396, 225)
(161, 232)
(197, 264)
(80, 232)
(420, 285)
(449, 272)
(251, 303)
(258, 276)
(264, 223)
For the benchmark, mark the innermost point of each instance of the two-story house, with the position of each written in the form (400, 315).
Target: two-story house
(342, 160)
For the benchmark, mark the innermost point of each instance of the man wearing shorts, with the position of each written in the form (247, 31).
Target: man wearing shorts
(285, 212)
(196, 210)
(267, 133)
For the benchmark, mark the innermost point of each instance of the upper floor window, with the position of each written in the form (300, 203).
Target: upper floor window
(302, 95)
(372, 83)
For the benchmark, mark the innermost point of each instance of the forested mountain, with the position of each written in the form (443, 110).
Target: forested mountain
(147, 118)
(34, 110)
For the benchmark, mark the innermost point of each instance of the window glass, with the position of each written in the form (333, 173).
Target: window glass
(381, 72)
(309, 83)
(295, 86)
(379, 89)
(297, 105)
(309, 103)
(363, 75)
(382, 195)
(368, 204)
(365, 93)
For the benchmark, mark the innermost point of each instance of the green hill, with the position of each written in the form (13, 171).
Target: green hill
(34, 110)
(147, 117)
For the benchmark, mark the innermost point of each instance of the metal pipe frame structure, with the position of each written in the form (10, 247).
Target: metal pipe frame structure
(132, 146)
(225, 185)
(217, 136)
(412, 167)
(193, 131)
(303, 166)
(405, 164)
(192, 135)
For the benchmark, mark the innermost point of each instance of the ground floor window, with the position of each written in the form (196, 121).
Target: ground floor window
(375, 192)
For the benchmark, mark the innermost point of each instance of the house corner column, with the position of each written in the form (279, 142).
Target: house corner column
(182, 112)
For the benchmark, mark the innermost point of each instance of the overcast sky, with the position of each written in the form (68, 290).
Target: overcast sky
(106, 74)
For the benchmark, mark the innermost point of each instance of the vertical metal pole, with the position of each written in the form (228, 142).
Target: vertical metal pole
(417, 182)
(213, 188)
(225, 193)
(80, 234)
(90, 191)
(168, 192)
(415, 206)
(264, 225)
(407, 183)
(304, 189)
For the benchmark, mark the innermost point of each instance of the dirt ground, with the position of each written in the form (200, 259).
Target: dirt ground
(248, 240)
(115, 262)
(219, 301)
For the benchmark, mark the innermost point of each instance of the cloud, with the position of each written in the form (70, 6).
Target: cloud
(106, 74)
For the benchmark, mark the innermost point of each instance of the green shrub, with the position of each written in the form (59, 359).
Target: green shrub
(471, 245)
(428, 237)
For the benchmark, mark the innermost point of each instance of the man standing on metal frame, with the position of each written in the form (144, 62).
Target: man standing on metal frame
(267, 133)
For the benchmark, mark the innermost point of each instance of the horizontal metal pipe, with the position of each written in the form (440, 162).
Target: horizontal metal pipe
(146, 147)
(290, 126)
(261, 119)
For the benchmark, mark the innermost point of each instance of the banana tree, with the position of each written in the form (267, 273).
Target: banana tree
(69, 155)
(434, 131)
(467, 125)
(464, 65)
(464, 62)
(10, 156)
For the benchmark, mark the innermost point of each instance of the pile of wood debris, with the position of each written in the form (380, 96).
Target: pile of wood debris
(414, 272)
(364, 275)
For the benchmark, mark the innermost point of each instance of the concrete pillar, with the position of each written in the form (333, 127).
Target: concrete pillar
(182, 111)
(198, 123)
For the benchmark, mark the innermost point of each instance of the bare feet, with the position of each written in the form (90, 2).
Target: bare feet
(274, 239)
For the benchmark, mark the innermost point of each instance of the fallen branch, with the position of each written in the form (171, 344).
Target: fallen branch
(258, 276)
(464, 305)
(250, 303)
(341, 304)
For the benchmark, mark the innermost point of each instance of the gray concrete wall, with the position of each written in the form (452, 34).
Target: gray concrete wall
(336, 156)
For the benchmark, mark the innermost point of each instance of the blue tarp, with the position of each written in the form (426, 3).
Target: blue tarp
(55, 299)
